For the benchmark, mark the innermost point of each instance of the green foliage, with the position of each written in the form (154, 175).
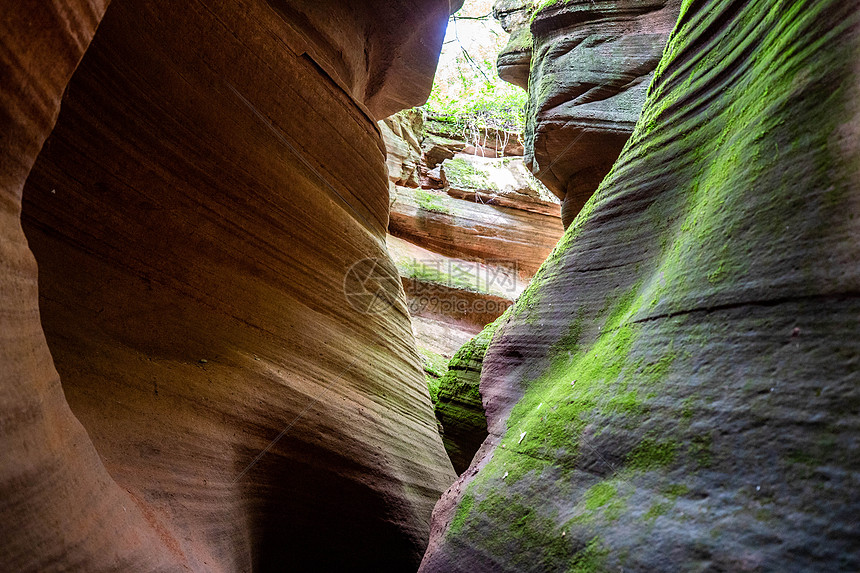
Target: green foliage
(481, 104)
(474, 97)
(432, 202)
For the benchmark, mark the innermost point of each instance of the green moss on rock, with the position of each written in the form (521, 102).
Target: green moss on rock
(670, 365)
(461, 173)
(435, 202)
(435, 367)
(458, 407)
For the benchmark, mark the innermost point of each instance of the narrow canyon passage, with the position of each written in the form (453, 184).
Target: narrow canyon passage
(273, 300)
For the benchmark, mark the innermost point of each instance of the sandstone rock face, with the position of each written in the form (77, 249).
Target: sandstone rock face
(401, 133)
(474, 230)
(61, 507)
(438, 149)
(214, 175)
(590, 65)
(678, 388)
(464, 245)
(481, 141)
(514, 61)
(453, 298)
(506, 183)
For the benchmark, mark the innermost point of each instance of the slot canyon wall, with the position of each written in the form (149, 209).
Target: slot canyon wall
(586, 66)
(679, 387)
(196, 207)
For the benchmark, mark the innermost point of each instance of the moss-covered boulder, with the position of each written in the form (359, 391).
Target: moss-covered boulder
(497, 181)
(679, 388)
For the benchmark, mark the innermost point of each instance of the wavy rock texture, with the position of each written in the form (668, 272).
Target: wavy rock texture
(62, 509)
(464, 254)
(590, 63)
(215, 172)
(678, 389)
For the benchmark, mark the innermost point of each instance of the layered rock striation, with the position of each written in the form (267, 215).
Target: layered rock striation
(678, 387)
(459, 406)
(465, 244)
(587, 65)
(476, 229)
(189, 385)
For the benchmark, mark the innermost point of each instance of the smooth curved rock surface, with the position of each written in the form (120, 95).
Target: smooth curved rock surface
(61, 507)
(514, 60)
(214, 174)
(678, 389)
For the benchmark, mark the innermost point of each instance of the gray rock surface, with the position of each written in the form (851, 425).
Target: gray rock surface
(679, 388)
(590, 64)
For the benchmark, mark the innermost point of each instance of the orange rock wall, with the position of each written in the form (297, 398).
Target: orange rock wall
(214, 173)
